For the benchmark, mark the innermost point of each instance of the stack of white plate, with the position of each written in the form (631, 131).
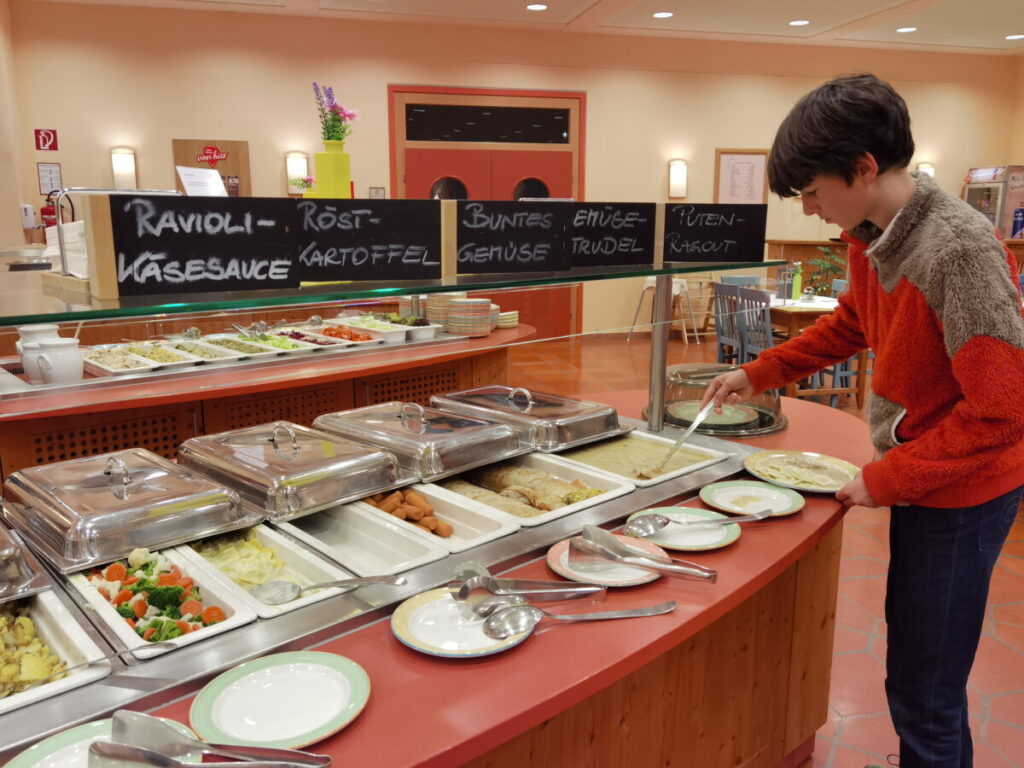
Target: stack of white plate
(437, 306)
(495, 311)
(508, 319)
(469, 317)
(405, 306)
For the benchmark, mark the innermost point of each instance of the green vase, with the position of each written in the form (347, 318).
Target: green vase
(333, 172)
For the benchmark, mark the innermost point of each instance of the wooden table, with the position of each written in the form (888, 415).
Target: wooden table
(793, 318)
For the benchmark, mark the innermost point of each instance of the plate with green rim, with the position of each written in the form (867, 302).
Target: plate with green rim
(742, 497)
(679, 538)
(70, 748)
(288, 700)
(433, 623)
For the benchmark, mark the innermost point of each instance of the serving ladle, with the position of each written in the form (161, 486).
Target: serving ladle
(283, 591)
(643, 526)
(651, 471)
(513, 619)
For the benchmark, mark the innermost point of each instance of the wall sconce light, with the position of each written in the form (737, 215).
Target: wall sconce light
(122, 163)
(926, 168)
(296, 166)
(677, 178)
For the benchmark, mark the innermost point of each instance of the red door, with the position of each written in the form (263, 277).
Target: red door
(509, 168)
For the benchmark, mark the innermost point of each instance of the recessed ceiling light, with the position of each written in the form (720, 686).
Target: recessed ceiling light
(663, 15)
(904, 30)
(536, 7)
(799, 23)
(1015, 37)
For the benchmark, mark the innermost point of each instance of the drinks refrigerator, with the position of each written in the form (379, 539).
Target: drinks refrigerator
(997, 192)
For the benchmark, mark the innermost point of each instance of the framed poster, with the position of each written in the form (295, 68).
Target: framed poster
(741, 176)
(49, 177)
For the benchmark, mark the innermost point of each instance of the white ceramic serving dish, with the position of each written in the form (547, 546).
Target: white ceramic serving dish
(471, 523)
(98, 369)
(227, 355)
(713, 457)
(345, 342)
(563, 470)
(392, 335)
(186, 361)
(211, 589)
(422, 332)
(270, 351)
(367, 545)
(66, 638)
(300, 566)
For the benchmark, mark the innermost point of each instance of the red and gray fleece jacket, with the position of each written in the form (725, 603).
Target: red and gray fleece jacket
(938, 302)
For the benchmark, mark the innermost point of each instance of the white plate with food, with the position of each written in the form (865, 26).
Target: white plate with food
(286, 700)
(150, 610)
(389, 333)
(114, 359)
(162, 357)
(742, 497)
(207, 352)
(70, 748)
(608, 573)
(621, 457)
(801, 470)
(243, 559)
(433, 623)
(549, 488)
(689, 540)
(61, 643)
(367, 545)
(454, 522)
(247, 349)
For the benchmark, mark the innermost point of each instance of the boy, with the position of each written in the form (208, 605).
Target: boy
(934, 293)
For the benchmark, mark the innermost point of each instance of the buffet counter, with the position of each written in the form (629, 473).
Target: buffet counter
(737, 675)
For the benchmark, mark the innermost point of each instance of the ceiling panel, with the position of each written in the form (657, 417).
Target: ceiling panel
(558, 12)
(955, 23)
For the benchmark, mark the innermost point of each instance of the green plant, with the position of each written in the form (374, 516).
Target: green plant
(827, 267)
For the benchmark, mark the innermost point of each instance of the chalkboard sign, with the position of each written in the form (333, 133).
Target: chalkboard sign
(610, 234)
(499, 236)
(171, 245)
(728, 233)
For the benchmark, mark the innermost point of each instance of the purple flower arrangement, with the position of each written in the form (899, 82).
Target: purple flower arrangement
(335, 119)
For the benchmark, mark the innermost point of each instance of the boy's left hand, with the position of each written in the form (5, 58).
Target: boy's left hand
(856, 493)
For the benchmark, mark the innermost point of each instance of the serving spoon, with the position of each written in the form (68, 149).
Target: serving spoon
(283, 591)
(651, 471)
(514, 619)
(643, 526)
(150, 649)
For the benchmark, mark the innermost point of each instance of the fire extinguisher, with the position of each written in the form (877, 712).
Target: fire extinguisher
(48, 213)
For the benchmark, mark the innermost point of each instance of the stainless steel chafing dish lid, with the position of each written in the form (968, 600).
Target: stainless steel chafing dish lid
(95, 509)
(21, 574)
(289, 470)
(431, 443)
(548, 422)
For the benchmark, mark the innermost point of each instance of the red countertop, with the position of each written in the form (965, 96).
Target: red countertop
(426, 711)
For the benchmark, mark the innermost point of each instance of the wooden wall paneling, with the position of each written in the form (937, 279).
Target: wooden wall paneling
(490, 368)
(717, 699)
(45, 441)
(300, 406)
(415, 385)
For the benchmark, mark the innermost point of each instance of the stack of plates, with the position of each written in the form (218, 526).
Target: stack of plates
(437, 306)
(469, 317)
(508, 319)
(405, 306)
(495, 312)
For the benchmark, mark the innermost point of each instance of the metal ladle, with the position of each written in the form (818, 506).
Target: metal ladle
(515, 619)
(643, 526)
(282, 591)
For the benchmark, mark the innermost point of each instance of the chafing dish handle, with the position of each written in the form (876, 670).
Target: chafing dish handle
(403, 415)
(114, 464)
(511, 397)
(274, 433)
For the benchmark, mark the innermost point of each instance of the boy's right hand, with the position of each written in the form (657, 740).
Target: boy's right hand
(729, 388)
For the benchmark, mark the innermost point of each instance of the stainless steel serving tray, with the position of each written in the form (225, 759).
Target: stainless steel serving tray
(547, 422)
(288, 470)
(21, 575)
(96, 509)
(430, 443)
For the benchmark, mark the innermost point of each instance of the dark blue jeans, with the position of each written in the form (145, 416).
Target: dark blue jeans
(941, 561)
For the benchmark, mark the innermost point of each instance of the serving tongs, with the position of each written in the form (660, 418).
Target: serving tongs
(134, 729)
(473, 583)
(107, 754)
(596, 548)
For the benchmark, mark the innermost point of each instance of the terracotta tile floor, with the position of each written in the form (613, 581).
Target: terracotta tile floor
(858, 731)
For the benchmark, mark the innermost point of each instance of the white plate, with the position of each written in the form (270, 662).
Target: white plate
(270, 351)
(713, 457)
(63, 635)
(563, 470)
(608, 573)
(300, 566)
(365, 544)
(210, 587)
(745, 496)
(678, 537)
(70, 749)
(432, 623)
(287, 700)
(471, 523)
(768, 464)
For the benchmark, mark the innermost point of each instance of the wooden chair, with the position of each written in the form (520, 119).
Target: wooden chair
(680, 293)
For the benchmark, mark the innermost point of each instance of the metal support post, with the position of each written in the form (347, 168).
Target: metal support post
(661, 316)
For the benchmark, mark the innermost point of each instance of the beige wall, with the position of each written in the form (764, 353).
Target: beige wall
(106, 76)
(11, 162)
